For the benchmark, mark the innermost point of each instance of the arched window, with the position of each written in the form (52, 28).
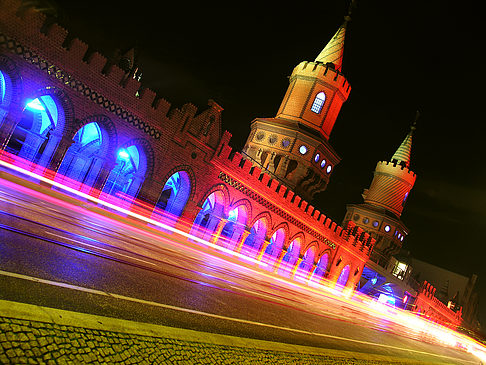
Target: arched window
(209, 216)
(343, 277)
(318, 102)
(290, 258)
(174, 195)
(272, 251)
(32, 139)
(127, 176)
(321, 268)
(234, 227)
(305, 265)
(256, 238)
(83, 159)
(5, 95)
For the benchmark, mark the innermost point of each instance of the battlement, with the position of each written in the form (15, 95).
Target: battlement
(260, 186)
(392, 168)
(437, 310)
(51, 42)
(323, 72)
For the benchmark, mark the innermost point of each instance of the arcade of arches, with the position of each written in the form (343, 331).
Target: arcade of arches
(38, 132)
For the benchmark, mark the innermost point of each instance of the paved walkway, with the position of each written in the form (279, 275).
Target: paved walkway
(39, 335)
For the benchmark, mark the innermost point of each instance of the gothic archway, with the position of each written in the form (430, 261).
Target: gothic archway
(306, 264)
(290, 258)
(128, 174)
(39, 130)
(255, 239)
(84, 158)
(174, 196)
(274, 248)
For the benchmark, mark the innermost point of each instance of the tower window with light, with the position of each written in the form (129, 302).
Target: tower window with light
(318, 102)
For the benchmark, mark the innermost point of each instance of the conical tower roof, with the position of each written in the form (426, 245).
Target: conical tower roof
(402, 154)
(333, 52)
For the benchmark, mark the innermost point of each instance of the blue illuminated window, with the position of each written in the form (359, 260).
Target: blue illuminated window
(323, 163)
(316, 158)
(303, 149)
(318, 102)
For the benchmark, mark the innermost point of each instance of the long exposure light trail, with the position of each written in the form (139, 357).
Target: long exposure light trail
(123, 210)
(418, 327)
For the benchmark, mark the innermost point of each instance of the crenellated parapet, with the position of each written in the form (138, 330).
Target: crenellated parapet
(390, 187)
(260, 187)
(428, 305)
(91, 74)
(308, 79)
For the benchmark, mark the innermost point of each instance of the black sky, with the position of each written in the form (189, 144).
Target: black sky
(399, 57)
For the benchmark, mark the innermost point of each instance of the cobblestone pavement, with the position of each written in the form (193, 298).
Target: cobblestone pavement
(31, 342)
(31, 334)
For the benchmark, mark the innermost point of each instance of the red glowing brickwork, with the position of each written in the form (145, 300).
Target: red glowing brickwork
(432, 308)
(139, 128)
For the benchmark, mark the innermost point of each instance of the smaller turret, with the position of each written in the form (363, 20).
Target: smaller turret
(384, 201)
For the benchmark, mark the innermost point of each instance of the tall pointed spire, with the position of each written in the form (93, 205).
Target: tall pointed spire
(333, 52)
(402, 154)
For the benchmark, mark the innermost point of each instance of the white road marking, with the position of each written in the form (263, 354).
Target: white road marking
(216, 316)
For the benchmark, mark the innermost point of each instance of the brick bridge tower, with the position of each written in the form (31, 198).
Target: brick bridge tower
(384, 201)
(293, 147)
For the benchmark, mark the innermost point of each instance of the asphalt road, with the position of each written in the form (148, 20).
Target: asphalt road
(69, 256)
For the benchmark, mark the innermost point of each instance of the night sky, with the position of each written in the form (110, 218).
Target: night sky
(399, 57)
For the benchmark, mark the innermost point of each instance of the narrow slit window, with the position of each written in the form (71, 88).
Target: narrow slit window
(318, 102)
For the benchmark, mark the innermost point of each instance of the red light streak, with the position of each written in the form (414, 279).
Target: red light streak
(316, 291)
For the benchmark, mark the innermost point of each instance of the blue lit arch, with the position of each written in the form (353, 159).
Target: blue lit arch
(11, 89)
(321, 268)
(306, 264)
(237, 218)
(275, 246)
(291, 256)
(211, 213)
(127, 176)
(5, 95)
(343, 277)
(174, 195)
(40, 129)
(258, 233)
(84, 158)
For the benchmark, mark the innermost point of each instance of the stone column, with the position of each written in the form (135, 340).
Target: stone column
(278, 261)
(266, 243)
(217, 232)
(6, 130)
(60, 144)
(296, 267)
(101, 179)
(242, 240)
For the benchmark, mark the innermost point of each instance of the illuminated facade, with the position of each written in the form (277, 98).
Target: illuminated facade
(89, 124)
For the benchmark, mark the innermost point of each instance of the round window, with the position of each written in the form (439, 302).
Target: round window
(316, 158)
(259, 136)
(387, 228)
(303, 149)
(375, 224)
(323, 163)
(272, 139)
(285, 142)
(329, 168)
(366, 220)
(356, 217)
